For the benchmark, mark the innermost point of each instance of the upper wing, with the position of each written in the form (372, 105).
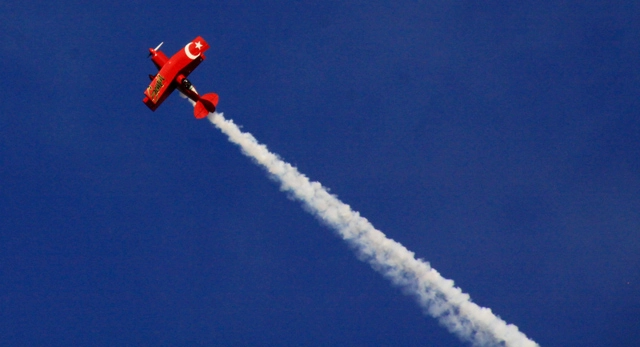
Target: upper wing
(188, 58)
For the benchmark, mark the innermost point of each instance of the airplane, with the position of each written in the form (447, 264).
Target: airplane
(173, 74)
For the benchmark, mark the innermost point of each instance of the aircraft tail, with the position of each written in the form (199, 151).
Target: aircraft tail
(207, 104)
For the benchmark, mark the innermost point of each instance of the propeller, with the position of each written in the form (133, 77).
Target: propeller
(157, 48)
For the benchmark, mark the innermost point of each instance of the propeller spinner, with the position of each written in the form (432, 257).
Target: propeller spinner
(155, 49)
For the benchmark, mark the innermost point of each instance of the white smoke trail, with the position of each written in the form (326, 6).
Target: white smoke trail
(435, 294)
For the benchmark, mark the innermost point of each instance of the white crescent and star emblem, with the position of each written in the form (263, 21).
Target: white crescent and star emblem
(188, 53)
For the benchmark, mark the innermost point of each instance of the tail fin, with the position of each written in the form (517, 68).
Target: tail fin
(207, 104)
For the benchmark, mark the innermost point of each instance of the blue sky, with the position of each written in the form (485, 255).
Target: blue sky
(498, 141)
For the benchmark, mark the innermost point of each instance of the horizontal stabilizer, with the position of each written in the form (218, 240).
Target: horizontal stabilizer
(207, 104)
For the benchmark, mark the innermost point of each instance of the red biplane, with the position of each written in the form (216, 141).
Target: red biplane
(173, 74)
